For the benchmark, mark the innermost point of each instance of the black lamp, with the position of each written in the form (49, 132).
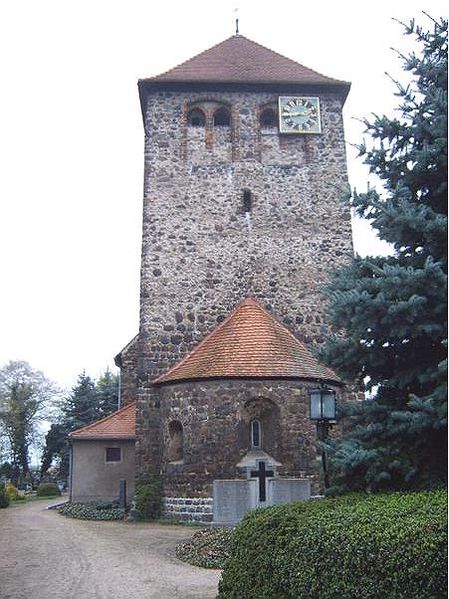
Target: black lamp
(323, 413)
(322, 405)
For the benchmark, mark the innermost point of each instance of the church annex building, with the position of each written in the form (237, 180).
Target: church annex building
(244, 172)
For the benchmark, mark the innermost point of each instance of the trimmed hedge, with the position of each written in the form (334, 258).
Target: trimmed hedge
(365, 546)
(48, 490)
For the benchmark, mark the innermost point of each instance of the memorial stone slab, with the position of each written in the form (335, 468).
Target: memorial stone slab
(232, 499)
(284, 490)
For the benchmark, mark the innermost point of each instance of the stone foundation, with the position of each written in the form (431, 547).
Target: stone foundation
(183, 509)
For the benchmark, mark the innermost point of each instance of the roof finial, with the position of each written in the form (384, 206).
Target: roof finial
(236, 10)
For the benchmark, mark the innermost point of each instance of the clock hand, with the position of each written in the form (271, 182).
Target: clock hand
(305, 113)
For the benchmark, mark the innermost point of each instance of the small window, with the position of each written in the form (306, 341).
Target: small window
(268, 119)
(113, 454)
(255, 434)
(222, 118)
(247, 204)
(196, 118)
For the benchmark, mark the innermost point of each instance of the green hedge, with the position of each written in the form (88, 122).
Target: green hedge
(48, 490)
(149, 498)
(364, 546)
(4, 499)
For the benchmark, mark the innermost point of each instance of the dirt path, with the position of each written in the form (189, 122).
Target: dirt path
(44, 555)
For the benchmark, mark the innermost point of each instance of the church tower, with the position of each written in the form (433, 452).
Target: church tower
(245, 169)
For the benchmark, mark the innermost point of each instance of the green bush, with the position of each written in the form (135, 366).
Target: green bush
(92, 511)
(4, 499)
(48, 490)
(365, 546)
(149, 498)
(12, 492)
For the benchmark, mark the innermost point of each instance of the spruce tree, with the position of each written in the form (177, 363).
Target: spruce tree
(81, 407)
(393, 310)
(106, 388)
(88, 401)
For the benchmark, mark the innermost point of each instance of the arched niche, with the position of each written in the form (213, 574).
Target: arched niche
(175, 451)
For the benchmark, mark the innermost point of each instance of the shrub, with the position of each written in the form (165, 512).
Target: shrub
(92, 511)
(370, 546)
(48, 490)
(149, 498)
(4, 499)
(12, 492)
(208, 548)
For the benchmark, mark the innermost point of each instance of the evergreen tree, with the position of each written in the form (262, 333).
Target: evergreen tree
(56, 446)
(394, 309)
(81, 407)
(106, 389)
(88, 401)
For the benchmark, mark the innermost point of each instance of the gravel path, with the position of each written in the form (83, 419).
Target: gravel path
(44, 555)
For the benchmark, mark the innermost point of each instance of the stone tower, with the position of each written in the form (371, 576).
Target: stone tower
(245, 169)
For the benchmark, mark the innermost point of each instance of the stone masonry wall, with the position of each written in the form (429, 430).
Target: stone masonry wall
(202, 255)
(127, 360)
(215, 417)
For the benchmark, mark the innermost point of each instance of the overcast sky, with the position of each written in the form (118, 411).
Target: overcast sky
(71, 146)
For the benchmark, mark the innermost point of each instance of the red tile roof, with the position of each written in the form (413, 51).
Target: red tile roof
(239, 59)
(119, 425)
(250, 343)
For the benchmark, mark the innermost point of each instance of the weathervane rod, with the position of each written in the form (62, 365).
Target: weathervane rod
(236, 10)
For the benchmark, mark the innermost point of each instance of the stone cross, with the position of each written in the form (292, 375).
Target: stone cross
(262, 475)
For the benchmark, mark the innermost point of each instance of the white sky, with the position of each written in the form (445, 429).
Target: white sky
(71, 146)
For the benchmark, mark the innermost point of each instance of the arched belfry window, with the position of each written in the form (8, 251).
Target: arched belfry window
(256, 434)
(247, 200)
(222, 117)
(176, 441)
(196, 118)
(268, 119)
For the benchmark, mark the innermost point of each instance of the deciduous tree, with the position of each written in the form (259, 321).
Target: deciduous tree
(25, 395)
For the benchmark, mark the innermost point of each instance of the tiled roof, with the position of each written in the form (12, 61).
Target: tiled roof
(239, 59)
(119, 425)
(250, 343)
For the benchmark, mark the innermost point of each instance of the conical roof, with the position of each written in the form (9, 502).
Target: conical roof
(250, 343)
(240, 60)
(119, 425)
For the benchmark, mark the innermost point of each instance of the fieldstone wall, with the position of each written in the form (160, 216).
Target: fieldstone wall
(127, 361)
(183, 509)
(202, 254)
(215, 418)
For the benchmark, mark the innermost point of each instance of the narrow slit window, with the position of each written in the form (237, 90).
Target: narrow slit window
(247, 201)
(268, 119)
(255, 433)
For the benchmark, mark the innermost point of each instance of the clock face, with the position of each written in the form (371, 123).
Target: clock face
(299, 114)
